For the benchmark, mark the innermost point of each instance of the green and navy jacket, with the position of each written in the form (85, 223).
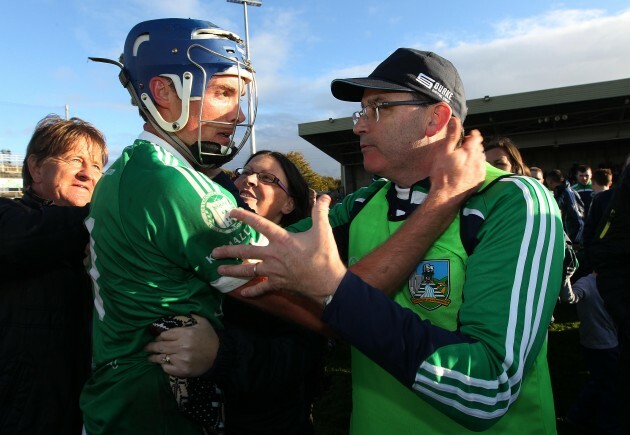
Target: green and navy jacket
(462, 346)
(586, 194)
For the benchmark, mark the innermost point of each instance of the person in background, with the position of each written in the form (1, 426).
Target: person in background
(570, 204)
(609, 253)
(601, 183)
(601, 180)
(584, 185)
(283, 199)
(268, 369)
(503, 154)
(45, 291)
(598, 402)
(537, 173)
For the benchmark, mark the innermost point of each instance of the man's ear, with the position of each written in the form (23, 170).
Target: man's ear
(439, 115)
(160, 91)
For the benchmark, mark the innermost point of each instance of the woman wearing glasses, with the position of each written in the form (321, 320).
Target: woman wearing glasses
(268, 369)
(272, 186)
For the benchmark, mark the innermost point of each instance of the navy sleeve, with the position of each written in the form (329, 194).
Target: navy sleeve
(599, 204)
(392, 336)
(573, 217)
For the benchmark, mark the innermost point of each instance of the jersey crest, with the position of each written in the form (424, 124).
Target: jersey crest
(215, 210)
(429, 284)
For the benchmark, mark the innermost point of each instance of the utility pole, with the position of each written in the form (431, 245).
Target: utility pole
(250, 109)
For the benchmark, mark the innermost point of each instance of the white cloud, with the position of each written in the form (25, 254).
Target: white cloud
(554, 19)
(557, 49)
(272, 47)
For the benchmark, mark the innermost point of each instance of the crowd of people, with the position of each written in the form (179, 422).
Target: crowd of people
(584, 205)
(169, 298)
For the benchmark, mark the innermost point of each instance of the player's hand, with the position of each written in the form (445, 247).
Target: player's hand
(458, 171)
(191, 350)
(306, 263)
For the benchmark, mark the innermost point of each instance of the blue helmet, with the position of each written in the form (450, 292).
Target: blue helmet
(169, 46)
(189, 52)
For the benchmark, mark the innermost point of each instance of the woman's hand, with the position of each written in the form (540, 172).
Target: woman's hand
(188, 351)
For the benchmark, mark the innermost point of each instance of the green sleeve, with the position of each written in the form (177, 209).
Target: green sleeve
(342, 213)
(190, 219)
(512, 284)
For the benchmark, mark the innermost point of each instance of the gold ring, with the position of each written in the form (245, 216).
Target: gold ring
(166, 359)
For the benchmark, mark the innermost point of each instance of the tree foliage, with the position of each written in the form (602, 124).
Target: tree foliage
(315, 181)
(229, 173)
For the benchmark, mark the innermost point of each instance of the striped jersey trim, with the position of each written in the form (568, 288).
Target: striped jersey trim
(530, 317)
(199, 182)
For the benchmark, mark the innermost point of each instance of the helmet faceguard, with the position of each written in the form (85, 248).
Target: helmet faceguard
(190, 53)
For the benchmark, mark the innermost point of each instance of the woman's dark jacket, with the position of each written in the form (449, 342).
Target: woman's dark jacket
(45, 316)
(270, 372)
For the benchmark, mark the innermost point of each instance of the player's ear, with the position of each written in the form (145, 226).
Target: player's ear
(439, 114)
(161, 91)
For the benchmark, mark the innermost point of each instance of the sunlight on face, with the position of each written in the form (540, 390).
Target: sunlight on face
(267, 200)
(69, 179)
(221, 104)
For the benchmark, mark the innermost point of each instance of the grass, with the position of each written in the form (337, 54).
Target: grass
(331, 412)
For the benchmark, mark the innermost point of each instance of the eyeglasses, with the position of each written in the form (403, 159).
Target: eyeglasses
(364, 112)
(263, 177)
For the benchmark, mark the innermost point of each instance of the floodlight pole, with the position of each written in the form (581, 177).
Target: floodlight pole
(250, 109)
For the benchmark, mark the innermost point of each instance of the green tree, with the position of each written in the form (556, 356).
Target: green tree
(314, 180)
(331, 183)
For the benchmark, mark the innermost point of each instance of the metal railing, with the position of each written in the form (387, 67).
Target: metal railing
(10, 164)
(10, 175)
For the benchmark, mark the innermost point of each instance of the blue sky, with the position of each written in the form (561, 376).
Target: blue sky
(297, 48)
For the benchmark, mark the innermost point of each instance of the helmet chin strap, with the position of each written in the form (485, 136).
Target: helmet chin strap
(189, 152)
(211, 154)
(202, 155)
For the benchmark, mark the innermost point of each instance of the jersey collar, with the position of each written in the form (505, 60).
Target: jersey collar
(150, 137)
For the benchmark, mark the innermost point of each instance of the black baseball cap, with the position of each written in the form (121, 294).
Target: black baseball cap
(410, 70)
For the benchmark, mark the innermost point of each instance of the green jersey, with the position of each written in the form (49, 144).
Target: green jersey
(153, 222)
(468, 352)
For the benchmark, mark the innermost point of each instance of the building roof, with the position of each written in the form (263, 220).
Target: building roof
(596, 112)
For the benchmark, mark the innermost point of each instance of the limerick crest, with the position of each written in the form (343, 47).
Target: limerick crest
(215, 210)
(429, 284)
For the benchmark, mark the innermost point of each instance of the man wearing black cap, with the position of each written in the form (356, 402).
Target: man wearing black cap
(460, 343)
